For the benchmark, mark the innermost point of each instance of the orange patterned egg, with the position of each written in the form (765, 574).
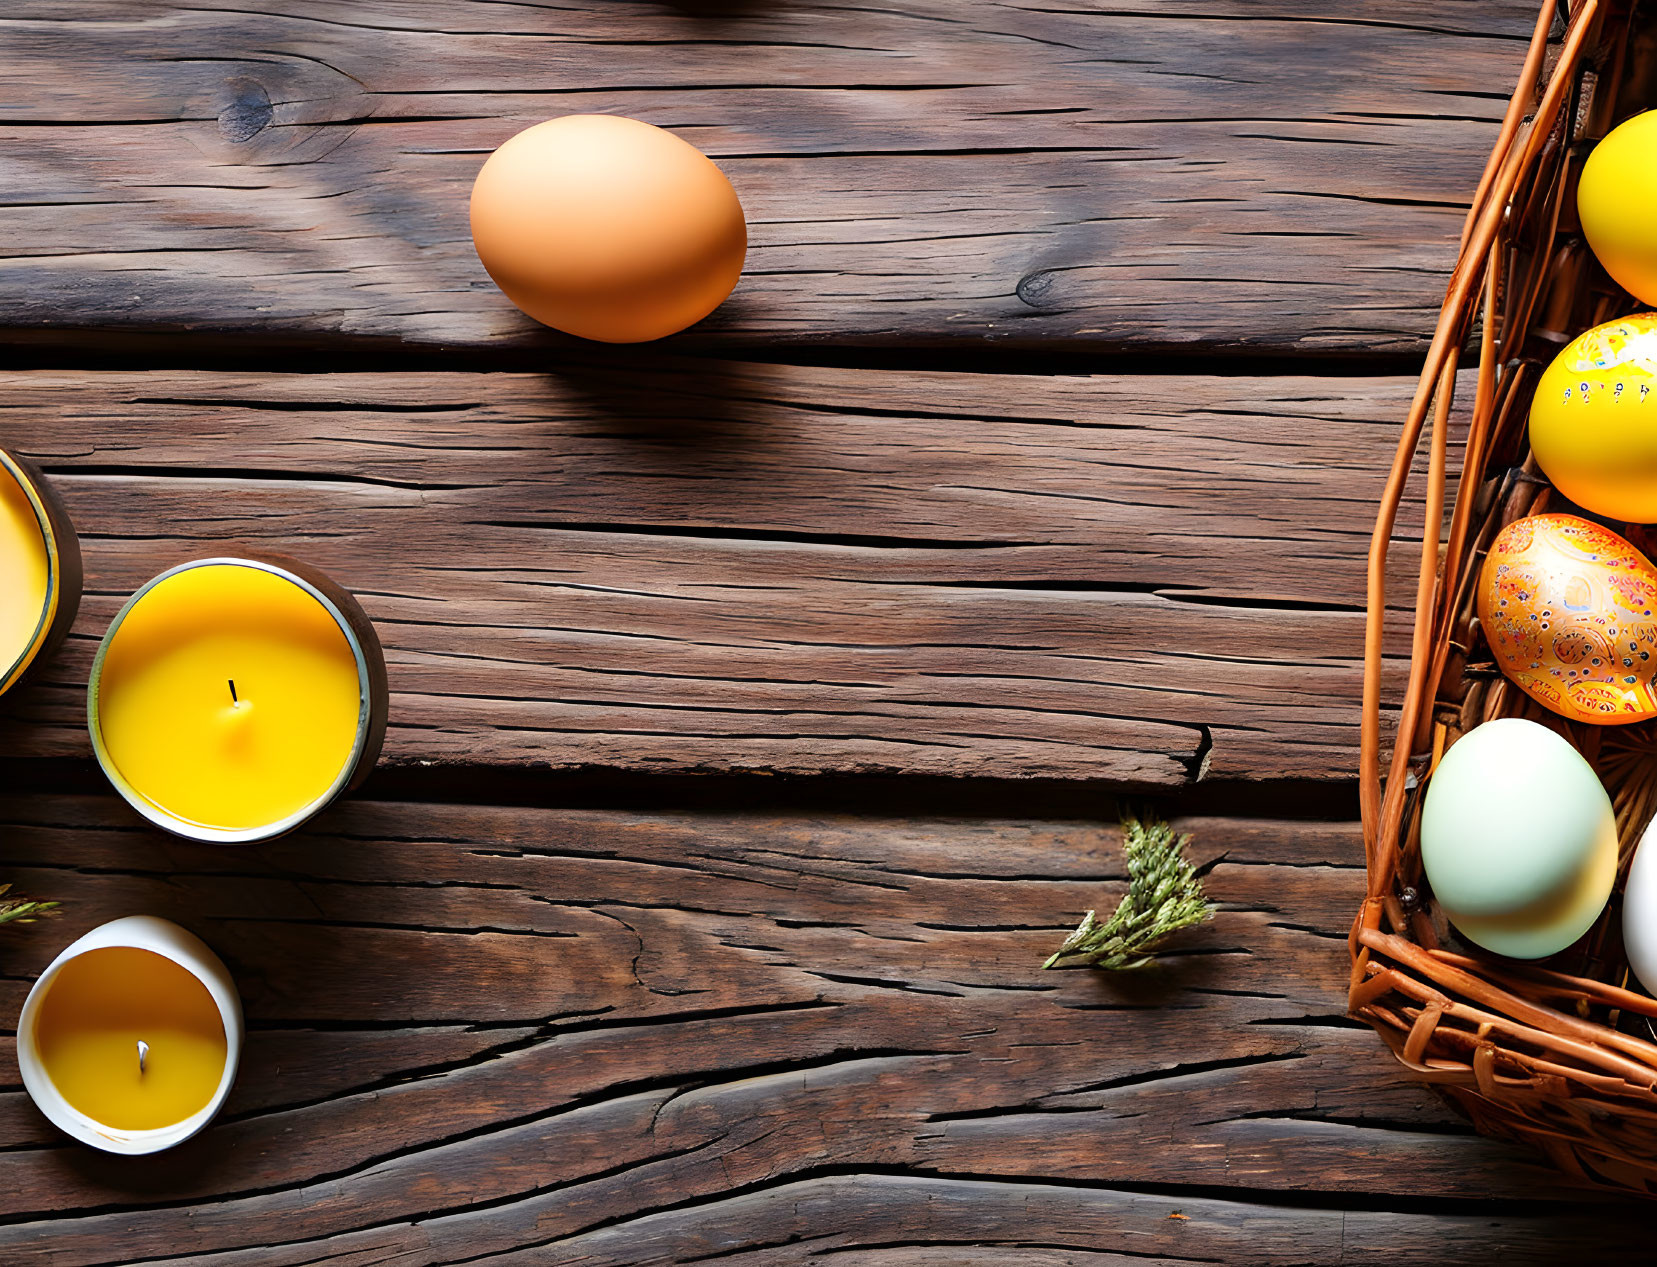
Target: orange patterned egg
(1567, 607)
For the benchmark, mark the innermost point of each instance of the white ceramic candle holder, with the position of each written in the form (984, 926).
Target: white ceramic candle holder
(165, 938)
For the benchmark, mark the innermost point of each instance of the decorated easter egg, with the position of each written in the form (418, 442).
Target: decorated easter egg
(1593, 421)
(1614, 201)
(1639, 911)
(1567, 608)
(608, 228)
(1518, 839)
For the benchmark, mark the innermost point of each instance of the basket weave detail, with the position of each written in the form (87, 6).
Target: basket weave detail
(1561, 1058)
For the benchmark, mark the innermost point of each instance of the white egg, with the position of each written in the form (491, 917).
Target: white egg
(1639, 911)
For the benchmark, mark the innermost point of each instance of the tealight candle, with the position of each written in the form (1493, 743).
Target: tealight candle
(40, 569)
(233, 699)
(131, 1038)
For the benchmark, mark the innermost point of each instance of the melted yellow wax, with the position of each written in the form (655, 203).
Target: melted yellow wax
(23, 572)
(99, 1007)
(171, 726)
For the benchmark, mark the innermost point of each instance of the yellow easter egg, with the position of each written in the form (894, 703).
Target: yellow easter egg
(1593, 421)
(1614, 201)
(1567, 608)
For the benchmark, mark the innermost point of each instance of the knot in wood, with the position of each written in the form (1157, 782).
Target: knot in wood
(248, 113)
(1033, 287)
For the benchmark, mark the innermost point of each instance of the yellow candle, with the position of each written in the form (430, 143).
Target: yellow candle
(227, 697)
(25, 576)
(131, 1039)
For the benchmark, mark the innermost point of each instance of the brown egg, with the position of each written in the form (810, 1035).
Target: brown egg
(1567, 607)
(608, 228)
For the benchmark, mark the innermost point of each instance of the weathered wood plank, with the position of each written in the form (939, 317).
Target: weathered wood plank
(898, 1221)
(745, 567)
(882, 1220)
(950, 172)
(504, 1028)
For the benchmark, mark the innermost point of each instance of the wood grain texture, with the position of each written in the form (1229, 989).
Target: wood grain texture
(1226, 175)
(606, 1037)
(734, 568)
(598, 1037)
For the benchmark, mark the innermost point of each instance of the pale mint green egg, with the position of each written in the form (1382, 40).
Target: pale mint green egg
(1518, 839)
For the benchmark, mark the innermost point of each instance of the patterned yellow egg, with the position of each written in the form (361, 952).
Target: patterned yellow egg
(1567, 608)
(1593, 422)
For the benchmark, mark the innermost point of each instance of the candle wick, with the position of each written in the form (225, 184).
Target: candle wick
(233, 698)
(143, 1054)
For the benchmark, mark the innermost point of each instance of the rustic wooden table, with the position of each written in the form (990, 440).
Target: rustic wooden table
(764, 701)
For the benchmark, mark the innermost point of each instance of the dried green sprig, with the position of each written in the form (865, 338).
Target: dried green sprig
(1164, 895)
(22, 910)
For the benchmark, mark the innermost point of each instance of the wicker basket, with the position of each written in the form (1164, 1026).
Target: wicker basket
(1561, 1057)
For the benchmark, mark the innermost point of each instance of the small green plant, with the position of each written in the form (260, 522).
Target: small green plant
(22, 910)
(1164, 896)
